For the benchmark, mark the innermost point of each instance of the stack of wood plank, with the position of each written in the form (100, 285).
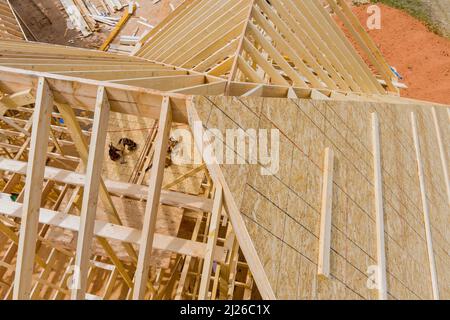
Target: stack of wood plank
(10, 28)
(85, 14)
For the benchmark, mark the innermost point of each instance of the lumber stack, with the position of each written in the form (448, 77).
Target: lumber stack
(86, 14)
(10, 28)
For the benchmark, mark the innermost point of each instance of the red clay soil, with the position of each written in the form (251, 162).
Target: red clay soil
(419, 55)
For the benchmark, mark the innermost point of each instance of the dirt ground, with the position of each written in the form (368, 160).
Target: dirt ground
(420, 56)
(47, 21)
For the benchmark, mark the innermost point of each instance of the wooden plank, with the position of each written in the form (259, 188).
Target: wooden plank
(151, 210)
(13, 101)
(134, 191)
(160, 26)
(90, 194)
(199, 40)
(165, 83)
(240, 45)
(285, 48)
(323, 265)
(379, 211)
(276, 56)
(341, 44)
(426, 211)
(211, 244)
(32, 200)
(248, 71)
(257, 91)
(75, 17)
(122, 22)
(210, 89)
(263, 63)
(302, 50)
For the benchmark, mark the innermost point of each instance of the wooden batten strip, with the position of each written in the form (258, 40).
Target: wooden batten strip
(426, 210)
(323, 266)
(379, 211)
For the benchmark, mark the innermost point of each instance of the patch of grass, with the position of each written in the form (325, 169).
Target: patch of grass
(415, 8)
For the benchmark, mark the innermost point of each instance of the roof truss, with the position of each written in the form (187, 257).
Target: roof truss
(286, 42)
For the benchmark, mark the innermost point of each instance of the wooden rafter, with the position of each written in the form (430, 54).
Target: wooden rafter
(286, 42)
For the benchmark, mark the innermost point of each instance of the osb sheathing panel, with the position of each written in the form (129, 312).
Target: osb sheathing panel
(282, 211)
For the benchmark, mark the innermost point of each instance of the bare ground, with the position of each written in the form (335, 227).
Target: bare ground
(46, 21)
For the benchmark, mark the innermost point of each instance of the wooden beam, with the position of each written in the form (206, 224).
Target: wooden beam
(32, 200)
(263, 63)
(82, 93)
(151, 210)
(362, 38)
(323, 265)
(240, 45)
(214, 88)
(212, 239)
(134, 191)
(184, 177)
(90, 194)
(15, 100)
(257, 91)
(426, 211)
(125, 17)
(379, 211)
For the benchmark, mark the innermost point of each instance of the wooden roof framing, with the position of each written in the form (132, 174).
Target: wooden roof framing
(82, 65)
(285, 43)
(284, 49)
(51, 92)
